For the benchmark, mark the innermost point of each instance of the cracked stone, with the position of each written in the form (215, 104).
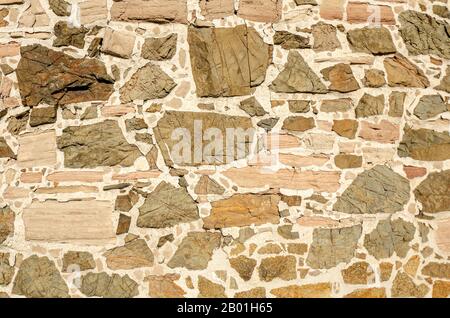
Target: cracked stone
(42, 116)
(430, 106)
(282, 267)
(159, 49)
(401, 72)
(134, 254)
(74, 260)
(6, 223)
(341, 78)
(434, 192)
(289, 40)
(67, 35)
(425, 144)
(108, 286)
(370, 105)
(377, 41)
(244, 266)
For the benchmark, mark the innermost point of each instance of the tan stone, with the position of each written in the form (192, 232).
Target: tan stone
(404, 286)
(118, 43)
(332, 9)
(134, 254)
(345, 127)
(346, 161)
(257, 292)
(359, 273)
(442, 235)
(341, 78)
(93, 11)
(298, 123)
(412, 265)
(31, 177)
(385, 271)
(401, 72)
(383, 132)
(208, 289)
(281, 267)
(303, 161)
(441, 289)
(320, 290)
(367, 293)
(9, 49)
(73, 221)
(164, 286)
(362, 13)
(242, 210)
(260, 10)
(216, 9)
(75, 176)
(244, 266)
(157, 11)
(37, 149)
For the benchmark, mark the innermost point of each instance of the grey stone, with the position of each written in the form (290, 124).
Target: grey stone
(376, 41)
(252, 107)
(430, 106)
(108, 286)
(425, 144)
(159, 49)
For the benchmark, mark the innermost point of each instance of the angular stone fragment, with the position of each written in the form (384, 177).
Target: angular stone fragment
(445, 82)
(252, 107)
(442, 236)
(369, 13)
(359, 273)
(37, 150)
(370, 106)
(208, 289)
(401, 72)
(159, 49)
(345, 127)
(437, 270)
(6, 223)
(378, 190)
(341, 78)
(424, 34)
(118, 43)
(74, 261)
(67, 35)
(108, 286)
(298, 123)
(93, 11)
(396, 104)
(333, 246)
(124, 224)
(134, 254)
(268, 11)
(72, 221)
(367, 293)
(441, 289)
(425, 144)
(242, 210)
(169, 133)
(434, 192)
(336, 105)
(60, 7)
(282, 267)
(149, 82)
(299, 106)
(196, 250)
(125, 202)
(268, 123)
(383, 132)
(6, 270)
(38, 277)
(389, 237)
(289, 40)
(376, 41)
(206, 185)
(216, 9)
(320, 290)
(430, 106)
(257, 292)
(167, 206)
(404, 286)
(239, 50)
(325, 38)
(100, 144)
(164, 286)
(34, 16)
(5, 149)
(374, 78)
(42, 115)
(156, 11)
(18, 123)
(344, 161)
(54, 78)
(244, 266)
(297, 77)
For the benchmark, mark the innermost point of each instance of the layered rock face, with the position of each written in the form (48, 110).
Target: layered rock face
(224, 148)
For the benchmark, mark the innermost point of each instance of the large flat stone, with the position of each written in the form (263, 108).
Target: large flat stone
(37, 150)
(156, 11)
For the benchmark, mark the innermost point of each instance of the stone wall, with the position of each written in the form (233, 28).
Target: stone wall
(341, 188)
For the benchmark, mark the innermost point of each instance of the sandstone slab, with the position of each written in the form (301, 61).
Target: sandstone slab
(37, 150)
(156, 11)
(134, 254)
(108, 286)
(425, 144)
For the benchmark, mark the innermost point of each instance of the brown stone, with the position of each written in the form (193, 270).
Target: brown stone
(108, 286)
(403, 286)
(434, 192)
(370, 105)
(6, 223)
(430, 106)
(344, 161)
(282, 267)
(257, 292)
(67, 35)
(414, 172)
(445, 82)
(441, 289)
(341, 78)
(402, 73)
(383, 132)
(385, 271)
(134, 254)
(77, 261)
(125, 202)
(425, 144)
(363, 12)
(396, 104)
(320, 290)
(159, 49)
(164, 286)
(367, 293)
(156, 11)
(376, 41)
(208, 289)
(5, 149)
(242, 210)
(437, 270)
(374, 78)
(124, 224)
(359, 273)
(216, 9)
(42, 115)
(289, 40)
(298, 123)
(244, 266)
(345, 127)
(268, 11)
(325, 38)
(206, 185)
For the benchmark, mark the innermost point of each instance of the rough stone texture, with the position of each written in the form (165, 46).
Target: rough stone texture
(67, 35)
(378, 190)
(404, 286)
(157, 11)
(445, 82)
(289, 40)
(430, 106)
(370, 105)
(298, 123)
(5, 149)
(341, 78)
(167, 206)
(133, 254)
(281, 267)
(434, 192)
(159, 49)
(74, 261)
(208, 289)
(108, 286)
(358, 273)
(42, 115)
(118, 43)
(377, 41)
(325, 38)
(244, 266)
(320, 290)
(374, 78)
(195, 251)
(214, 49)
(333, 246)
(401, 72)
(38, 277)
(7, 218)
(164, 286)
(388, 237)
(437, 270)
(60, 7)
(101, 144)
(71, 80)
(345, 127)
(252, 107)
(425, 144)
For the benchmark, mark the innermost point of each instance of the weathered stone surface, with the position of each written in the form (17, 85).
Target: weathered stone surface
(320, 290)
(424, 34)
(72, 221)
(371, 13)
(156, 11)
(67, 35)
(370, 105)
(434, 192)
(378, 190)
(344, 161)
(108, 286)
(289, 40)
(367, 293)
(404, 286)
(389, 237)
(425, 144)
(437, 270)
(77, 261)
(60, 7)
(196, 250)
(297, 77)
(124, 224)
(445, 82)
(42, 115)
(252, 107)
(134, 254)
(298, 123)
(34, 15)
(383, 131)
(187, 154)
(333, 246)
(18, 123)
(341, 78)
(70, 80)
(6, 270)
(5, 149)
(149, 82)
(281, 267)
(260, 10)
(396, 104)
(206, 185)
(37, 150)
(38, 277)
(6, 223)
(125, 202)
(401, 72)
(118, 43)
(257, 292)
(208, 289)
(240, 50)
(374, 78)
(100, 144)
(376, 41)
(167, 206)
(216, 9)
(441, 289)
(164, 286)
(430, 106)
(345, 127)
(359, 273)
(299, 106)
(159, 49)
(243, 210)
(442, 236)
(93, 11)
(325, 38)
(244, 266)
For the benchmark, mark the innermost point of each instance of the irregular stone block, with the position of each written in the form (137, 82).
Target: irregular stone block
(341, 78)
(6, 223)
(118, 43)
(74, 261)
(425, 144)
(159, 49)
(134, 254)
(268, 11)
(281, 267)
(164, 286)
(5, 149)
(401, 72)
(434, 192)
(108, 286)
(430, 106)
(156, 11)
(216, 9)
(376, 41)
(320, 290)
(37, 150)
